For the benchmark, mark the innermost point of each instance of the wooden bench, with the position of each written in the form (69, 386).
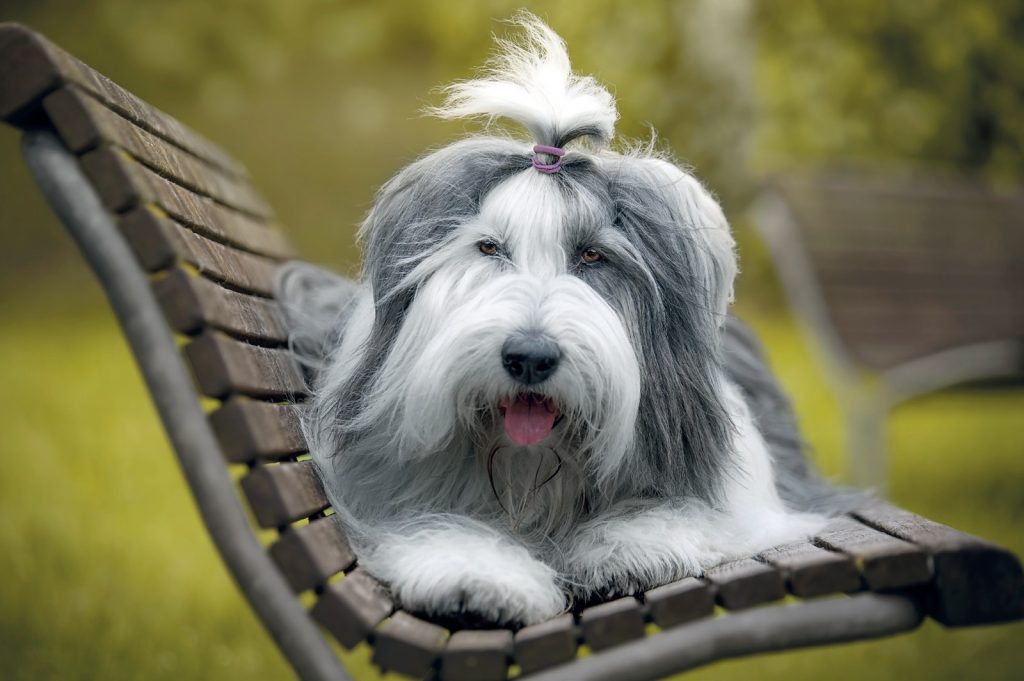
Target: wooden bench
(907, 286)
(186, 250)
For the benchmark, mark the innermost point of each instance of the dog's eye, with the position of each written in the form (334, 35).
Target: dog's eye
(591, 255)
(488, 247)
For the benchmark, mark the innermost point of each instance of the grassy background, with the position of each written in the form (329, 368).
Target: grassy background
(106, 570)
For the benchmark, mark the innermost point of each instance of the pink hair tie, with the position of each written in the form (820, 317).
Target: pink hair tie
(548, 168)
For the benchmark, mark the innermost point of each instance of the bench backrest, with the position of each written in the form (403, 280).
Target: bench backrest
(904, 269)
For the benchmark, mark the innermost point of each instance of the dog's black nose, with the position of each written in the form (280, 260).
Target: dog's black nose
(530, 359)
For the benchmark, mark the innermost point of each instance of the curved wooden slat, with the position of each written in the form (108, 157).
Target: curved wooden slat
(746, 582)
(223, 366)
(308, 555)
(27, 73)
(680, 602)
(352, 607)
(159, 242)
(84, 123)
(408, 645)
(477, 656)
(975, 582)
(547, 644)
(812, 571)
(612, 623)
(124, 184)
(252, 429)
(283, 493)
(192, 303)
(31, 67)
(885, 561)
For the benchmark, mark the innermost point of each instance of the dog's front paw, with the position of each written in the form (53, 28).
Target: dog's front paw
(474, 583)
(476, 598)
(618, 556)
(599, 580)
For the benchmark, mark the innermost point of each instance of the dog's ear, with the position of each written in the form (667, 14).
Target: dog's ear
(316, 305)
(418, 209)
(683, 239)
(698, 210)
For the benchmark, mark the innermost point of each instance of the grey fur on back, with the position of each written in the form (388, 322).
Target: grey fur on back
(799, 485)
(315, 303)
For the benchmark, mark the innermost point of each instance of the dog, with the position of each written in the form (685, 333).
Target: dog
(534, 394)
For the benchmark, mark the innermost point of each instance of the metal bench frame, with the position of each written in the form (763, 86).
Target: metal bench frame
(910, 567)
(75, 202)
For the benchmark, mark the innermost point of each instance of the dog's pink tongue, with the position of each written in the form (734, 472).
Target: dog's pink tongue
(529, 419)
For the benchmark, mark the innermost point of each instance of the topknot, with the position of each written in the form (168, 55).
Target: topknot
(531, 82)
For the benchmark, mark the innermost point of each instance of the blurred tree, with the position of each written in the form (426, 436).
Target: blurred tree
(735, 88)
(930, 82)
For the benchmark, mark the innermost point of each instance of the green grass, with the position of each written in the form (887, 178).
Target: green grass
(108, 573)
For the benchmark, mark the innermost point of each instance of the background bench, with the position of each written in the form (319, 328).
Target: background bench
(906, 285)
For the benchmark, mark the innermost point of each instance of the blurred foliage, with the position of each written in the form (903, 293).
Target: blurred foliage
(930, 82)
(321, 99)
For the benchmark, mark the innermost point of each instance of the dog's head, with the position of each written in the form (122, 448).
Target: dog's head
(527, 300)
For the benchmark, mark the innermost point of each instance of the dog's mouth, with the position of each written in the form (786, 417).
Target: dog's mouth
(529, 417)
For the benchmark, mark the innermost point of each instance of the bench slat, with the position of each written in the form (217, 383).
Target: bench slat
(214, 221)
(746, 582)
(975, 582)
(84, 123)
(309, 555)
(932, 536)
(408, 645)
(252, 429)
(680, 602)
(26, 73)
(123, 184)
(223, 366)
(352, 607)
(812, 571)
(283, 493)
(159, 242)
(547, 644)
(885, 561)
(924, 269)
(192, 303)
(868, 219)
(611, 623)
(31, 66)
(936, 323)
(477, 656)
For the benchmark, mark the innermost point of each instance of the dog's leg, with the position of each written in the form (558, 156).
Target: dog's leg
(452, 566)
(629, 549)
(635, 545)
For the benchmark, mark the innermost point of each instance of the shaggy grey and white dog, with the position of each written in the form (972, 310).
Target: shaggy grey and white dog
(534, 392)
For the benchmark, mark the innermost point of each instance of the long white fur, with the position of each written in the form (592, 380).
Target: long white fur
(444, 364)
(533, 84)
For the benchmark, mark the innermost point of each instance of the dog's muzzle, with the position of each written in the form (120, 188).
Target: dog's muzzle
(530, 359)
